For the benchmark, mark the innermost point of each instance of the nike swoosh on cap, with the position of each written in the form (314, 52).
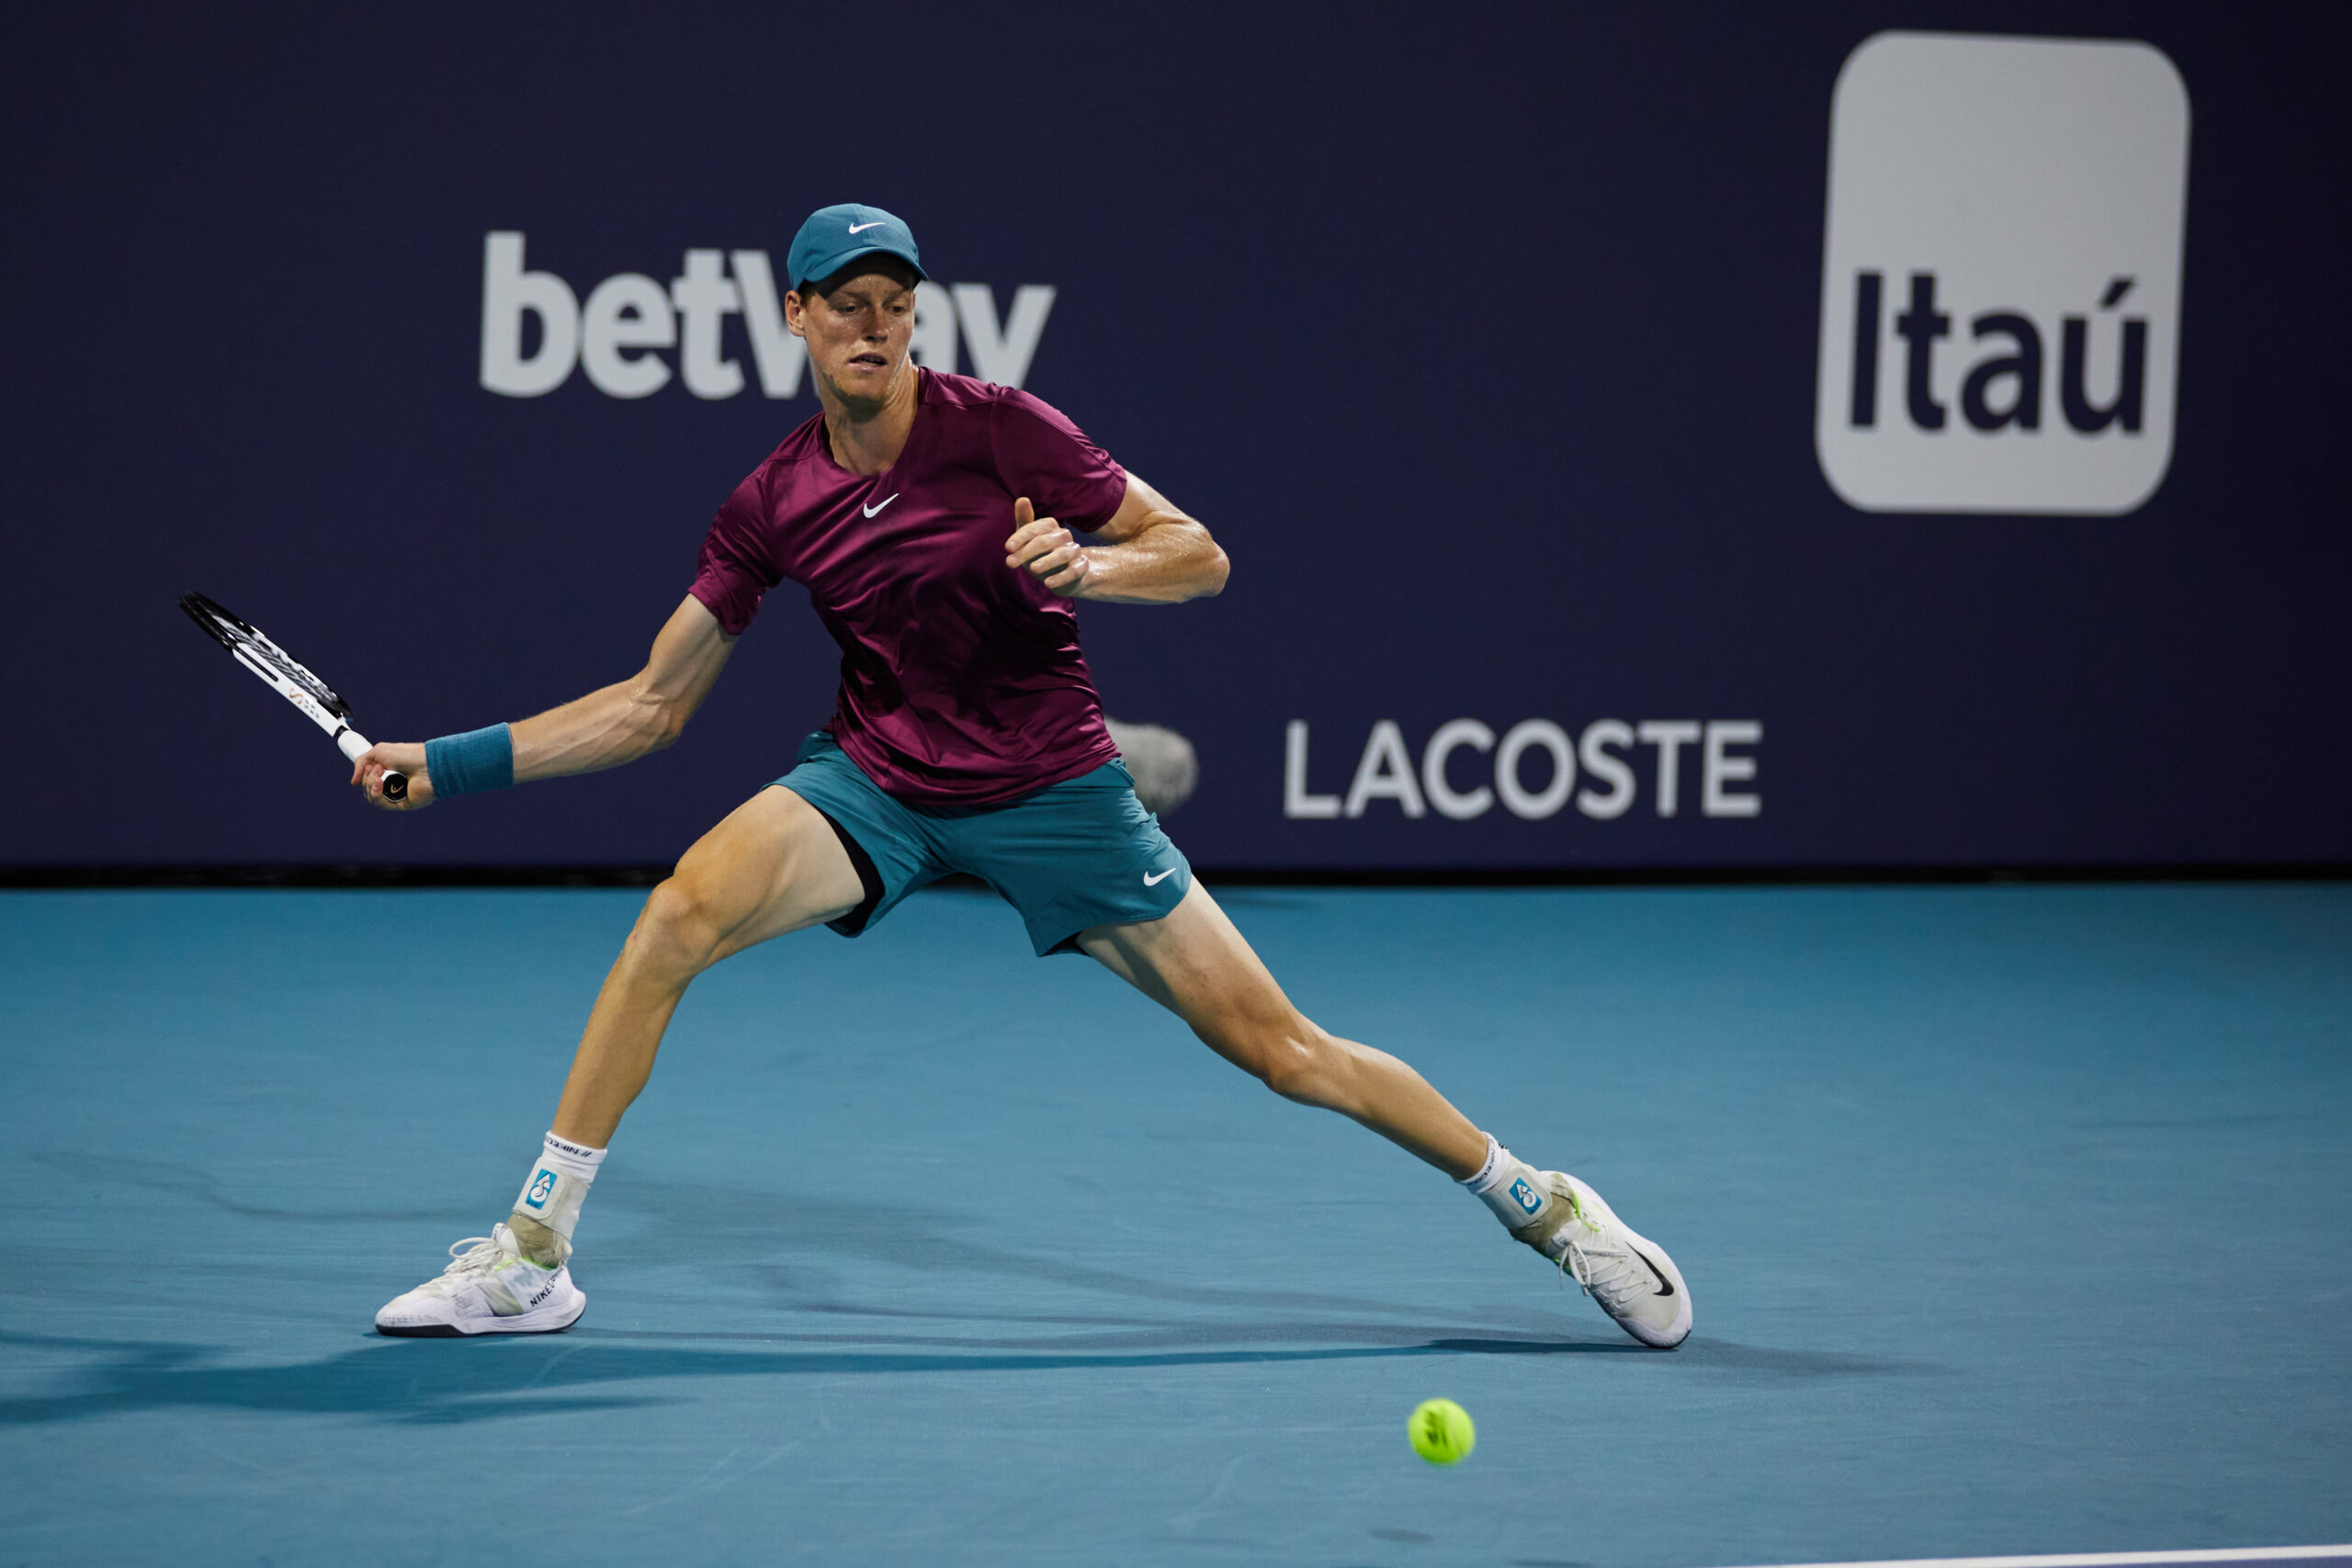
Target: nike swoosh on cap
(876, 510)
(862, 228)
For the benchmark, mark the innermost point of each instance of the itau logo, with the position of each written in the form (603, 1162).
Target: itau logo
(2000, 282)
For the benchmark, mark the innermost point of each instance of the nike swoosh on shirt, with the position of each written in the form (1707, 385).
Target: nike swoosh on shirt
(1151, 880)
(862, 228)
(876, 510)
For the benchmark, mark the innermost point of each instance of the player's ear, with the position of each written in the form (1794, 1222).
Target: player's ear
(792, 309)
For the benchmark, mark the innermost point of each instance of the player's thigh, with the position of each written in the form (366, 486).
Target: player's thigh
(1195, 963)
(773, 865)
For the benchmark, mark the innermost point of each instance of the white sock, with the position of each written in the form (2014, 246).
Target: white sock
(558, 1185)
(1507, 1185)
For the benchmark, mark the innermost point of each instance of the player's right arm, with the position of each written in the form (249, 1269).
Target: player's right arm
(616, 723)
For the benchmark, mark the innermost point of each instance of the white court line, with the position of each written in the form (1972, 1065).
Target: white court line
(2104, 1558)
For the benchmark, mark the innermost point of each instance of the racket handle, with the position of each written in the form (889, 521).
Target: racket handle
(354, 745)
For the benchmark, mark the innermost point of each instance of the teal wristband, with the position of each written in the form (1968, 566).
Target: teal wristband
(471, 762)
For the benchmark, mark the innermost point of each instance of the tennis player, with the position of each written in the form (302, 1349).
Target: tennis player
(934, 520)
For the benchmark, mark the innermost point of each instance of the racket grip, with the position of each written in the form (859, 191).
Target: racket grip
(353, 744)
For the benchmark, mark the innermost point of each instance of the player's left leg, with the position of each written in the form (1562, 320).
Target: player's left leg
(1195, 963)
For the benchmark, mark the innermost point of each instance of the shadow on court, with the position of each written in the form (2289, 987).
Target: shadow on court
(446, 1380)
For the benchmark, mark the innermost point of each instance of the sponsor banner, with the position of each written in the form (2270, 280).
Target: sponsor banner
(1722, 440)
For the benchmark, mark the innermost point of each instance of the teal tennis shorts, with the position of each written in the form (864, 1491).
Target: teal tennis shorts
(1079, 853)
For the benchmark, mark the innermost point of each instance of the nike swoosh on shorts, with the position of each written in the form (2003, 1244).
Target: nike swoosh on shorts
(1151, 880)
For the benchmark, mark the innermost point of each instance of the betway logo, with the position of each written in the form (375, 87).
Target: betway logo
(617, 335)
(2000, 293)
(1533, 769)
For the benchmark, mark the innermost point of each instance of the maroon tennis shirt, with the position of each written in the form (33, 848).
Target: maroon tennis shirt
(962, 682)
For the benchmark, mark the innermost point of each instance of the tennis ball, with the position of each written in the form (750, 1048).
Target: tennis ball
(1441, 1431)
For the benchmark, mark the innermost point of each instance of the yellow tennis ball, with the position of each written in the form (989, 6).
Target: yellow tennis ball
(1441, 1431)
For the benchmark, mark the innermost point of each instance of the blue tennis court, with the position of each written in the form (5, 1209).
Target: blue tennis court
(2014, 1217)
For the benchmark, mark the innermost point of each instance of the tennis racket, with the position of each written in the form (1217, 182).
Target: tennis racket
(288, 679)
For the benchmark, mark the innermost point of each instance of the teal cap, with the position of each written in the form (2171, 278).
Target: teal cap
(835, 236)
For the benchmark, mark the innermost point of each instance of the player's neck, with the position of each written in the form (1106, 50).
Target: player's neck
(866, 437)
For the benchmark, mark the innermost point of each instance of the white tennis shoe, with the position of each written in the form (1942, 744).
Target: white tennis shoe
(488, 1288)
(1631, 1276)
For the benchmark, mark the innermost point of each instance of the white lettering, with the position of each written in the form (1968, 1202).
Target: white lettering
(1460, 732)
(628, 309)
(704, 299)
(612, 335)
(507, 291)
(1670, 735)
(1600, 762)
(1297, 802)
(1385, 772)
(1553, 739)
(1004, 357)
(933, 347)
(775, 350)
(1716, 769)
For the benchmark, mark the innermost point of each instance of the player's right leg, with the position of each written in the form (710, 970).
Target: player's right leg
(774, 865)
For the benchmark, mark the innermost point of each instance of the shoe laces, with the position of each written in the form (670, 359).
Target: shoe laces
(1602, 1265)
(477, 1254)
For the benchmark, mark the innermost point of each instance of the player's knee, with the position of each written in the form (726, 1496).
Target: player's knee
(676, 930)
(1296, 1061)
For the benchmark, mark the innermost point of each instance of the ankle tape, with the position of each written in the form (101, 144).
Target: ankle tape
(1511, 1188)
(559, 1184)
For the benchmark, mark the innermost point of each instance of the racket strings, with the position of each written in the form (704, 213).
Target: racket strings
(246, 642)
(277, 658)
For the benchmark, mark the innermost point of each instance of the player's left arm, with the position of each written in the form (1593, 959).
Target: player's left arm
(1151, 552)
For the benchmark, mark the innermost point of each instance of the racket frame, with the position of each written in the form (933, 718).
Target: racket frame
(288, 677)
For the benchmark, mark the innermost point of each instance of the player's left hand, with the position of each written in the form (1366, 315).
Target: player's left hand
(1045, 550)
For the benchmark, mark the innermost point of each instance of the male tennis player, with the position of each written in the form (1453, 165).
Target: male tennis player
(932, 519)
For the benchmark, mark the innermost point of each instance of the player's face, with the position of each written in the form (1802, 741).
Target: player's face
(857, 336)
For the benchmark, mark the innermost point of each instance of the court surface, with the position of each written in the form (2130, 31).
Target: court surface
(2017, 1219)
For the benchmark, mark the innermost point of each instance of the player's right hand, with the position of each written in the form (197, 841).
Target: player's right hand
(1046, 551)
(399, 756)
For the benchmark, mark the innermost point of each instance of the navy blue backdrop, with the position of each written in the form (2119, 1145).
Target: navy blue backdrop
(1485, 339)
